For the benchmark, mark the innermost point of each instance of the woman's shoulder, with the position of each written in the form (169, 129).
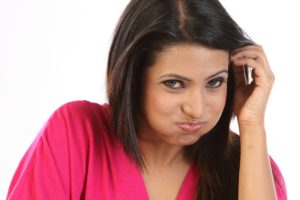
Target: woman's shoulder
(278, 180)
(81, 119)
(83, 107)
(78, 113)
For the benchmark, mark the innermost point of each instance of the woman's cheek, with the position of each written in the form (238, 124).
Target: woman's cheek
(167, 103)
(218, 105)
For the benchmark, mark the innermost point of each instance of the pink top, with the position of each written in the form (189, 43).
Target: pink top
(77, 156)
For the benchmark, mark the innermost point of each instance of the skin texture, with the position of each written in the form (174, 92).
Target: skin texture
(187, 83)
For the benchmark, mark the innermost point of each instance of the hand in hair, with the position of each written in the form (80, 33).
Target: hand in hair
(250, 100)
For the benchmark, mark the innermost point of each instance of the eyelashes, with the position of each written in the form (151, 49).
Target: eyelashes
(179, 84)
(174, 84)
(215, 83)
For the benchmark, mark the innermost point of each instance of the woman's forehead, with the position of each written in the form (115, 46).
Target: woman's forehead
(191, 54)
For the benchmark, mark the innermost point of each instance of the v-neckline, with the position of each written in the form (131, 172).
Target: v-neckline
(187, 182)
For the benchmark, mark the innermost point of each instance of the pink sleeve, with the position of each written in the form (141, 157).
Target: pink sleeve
(45, 171)
(279, 182)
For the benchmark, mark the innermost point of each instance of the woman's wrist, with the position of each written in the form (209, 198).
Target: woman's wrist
(251, 123)
(253, 137)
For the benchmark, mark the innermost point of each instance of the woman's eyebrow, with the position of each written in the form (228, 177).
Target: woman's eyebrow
(176, 76)
(219, 72)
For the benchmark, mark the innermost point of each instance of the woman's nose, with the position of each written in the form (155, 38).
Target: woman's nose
(194, 105)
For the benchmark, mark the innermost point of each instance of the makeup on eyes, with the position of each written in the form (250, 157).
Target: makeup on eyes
(174, 84)
(219, 80)
(175, 81)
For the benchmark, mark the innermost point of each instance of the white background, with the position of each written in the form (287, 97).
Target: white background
(52, 52)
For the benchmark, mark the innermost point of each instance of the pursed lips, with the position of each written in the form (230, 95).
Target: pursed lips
(191, 126)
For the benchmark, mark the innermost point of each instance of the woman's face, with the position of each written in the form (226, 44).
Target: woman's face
(184, 94)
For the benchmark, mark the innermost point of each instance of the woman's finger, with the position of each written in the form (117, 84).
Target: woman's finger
(246, 54)
(254, 52)
(249, 47)
(261, 75)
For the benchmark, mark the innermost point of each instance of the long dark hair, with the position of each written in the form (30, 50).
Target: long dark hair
(147, 27)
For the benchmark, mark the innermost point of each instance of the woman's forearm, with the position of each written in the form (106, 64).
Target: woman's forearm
(255, 176)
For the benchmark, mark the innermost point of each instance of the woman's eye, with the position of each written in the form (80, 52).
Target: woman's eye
(215, 83)
(174, 84)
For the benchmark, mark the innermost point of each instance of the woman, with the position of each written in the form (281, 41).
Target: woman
(175, 78)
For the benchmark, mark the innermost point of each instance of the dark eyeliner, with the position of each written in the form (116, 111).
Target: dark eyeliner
(171, 82)
(220, 80)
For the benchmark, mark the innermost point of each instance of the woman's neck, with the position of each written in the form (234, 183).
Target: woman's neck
(159, 154)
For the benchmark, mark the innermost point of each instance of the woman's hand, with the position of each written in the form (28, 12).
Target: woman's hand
(250, 100)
